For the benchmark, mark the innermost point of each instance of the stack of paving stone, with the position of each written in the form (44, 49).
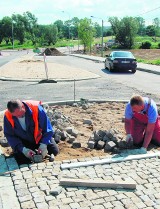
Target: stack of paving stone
(110, 141)
(62, 126)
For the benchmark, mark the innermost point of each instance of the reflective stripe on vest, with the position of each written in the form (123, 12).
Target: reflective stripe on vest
(33, 105)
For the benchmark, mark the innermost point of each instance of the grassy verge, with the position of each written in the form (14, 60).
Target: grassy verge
(153, 62)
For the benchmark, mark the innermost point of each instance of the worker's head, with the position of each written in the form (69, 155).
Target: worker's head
(16, 108)
(137, 103)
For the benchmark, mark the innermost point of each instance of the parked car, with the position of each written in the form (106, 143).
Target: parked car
(121, 60)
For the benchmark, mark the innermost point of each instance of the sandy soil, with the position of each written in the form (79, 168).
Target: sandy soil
(104, 116)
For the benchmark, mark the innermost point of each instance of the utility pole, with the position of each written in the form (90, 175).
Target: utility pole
(101, 35)
(68, 30)
(12, 35)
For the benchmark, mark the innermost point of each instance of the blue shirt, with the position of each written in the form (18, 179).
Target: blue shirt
(17, 135)
(152, 111)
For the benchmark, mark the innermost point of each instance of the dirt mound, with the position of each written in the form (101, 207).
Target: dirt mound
(52, 52)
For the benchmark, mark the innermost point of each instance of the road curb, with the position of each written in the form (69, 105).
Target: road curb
(87, 58)
(148, 71)
(39, 80)
(140, 69)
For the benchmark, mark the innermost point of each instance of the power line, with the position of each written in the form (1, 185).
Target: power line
(149, 11)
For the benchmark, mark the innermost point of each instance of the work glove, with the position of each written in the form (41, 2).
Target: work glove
(28, 153)
(42, 150)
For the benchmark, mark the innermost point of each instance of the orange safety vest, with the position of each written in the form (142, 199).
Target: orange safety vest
(33, 105)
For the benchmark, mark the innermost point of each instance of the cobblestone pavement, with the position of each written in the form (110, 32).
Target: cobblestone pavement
(37, 185)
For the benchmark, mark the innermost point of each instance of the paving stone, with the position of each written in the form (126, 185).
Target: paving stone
(49, 198)
(110, 198)
(24, 168)
(117, 203)
(34, 189)
(74, 205)
(56, 191)
(22, 192)
(67, 200)
(20, 186)
(61, 196)
(42, 205)
(25, 198)
(111, 192)
(120, 196)
(38, 194)
(70, 194)
(39, 199)
(140, 205)
(108, 205)
(28, 204)
(98, 207)
(86, 203)
(99, 201)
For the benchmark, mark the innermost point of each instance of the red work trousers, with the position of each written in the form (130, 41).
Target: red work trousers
(139, 125)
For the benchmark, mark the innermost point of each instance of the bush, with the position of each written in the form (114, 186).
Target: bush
(158, 45)
(146, 45)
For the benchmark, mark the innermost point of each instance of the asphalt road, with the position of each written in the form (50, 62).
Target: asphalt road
(109, 86)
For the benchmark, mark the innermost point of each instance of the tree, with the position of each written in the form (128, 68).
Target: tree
(150, 30)
(60, 26)
(74, 27)
(19, 27)
(86, 33)
(125, 30)
(50, 35)
(156, 23)
(6, 32)
(31, 26)
(141, 25)
(98, 30)
(1, 35)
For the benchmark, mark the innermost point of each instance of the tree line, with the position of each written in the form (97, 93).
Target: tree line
(25, 27)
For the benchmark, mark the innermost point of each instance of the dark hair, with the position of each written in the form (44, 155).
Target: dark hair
(12, 105)
(136, 100)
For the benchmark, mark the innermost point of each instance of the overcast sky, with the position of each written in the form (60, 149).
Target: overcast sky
(48, 11)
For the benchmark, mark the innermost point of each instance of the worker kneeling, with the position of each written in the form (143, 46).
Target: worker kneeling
(27, 128)
(142, 122)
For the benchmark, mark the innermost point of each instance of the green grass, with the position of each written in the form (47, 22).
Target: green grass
(153, 62)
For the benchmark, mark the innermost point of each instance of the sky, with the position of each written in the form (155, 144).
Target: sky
(48, 11)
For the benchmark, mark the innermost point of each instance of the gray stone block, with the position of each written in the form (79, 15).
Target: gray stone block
(122, 144)
(100, 145)
(69, 130)
(63, 135)
(96, 136)
(87, 121)
(101, 133)
(106, 138)
(56, 191)
(74, 133)
(91, 144)
(109, 146)
(76, 145)
(70, 139)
